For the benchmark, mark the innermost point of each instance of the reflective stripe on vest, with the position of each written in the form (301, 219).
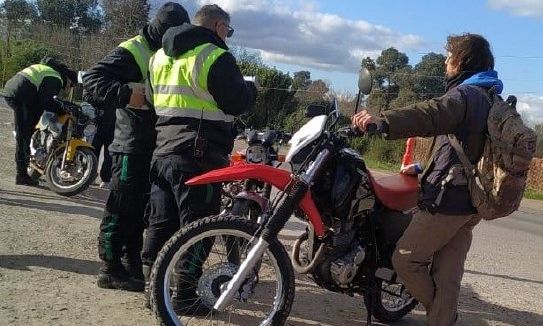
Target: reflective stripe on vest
(36, 73)
(139, 48)
(180, 85)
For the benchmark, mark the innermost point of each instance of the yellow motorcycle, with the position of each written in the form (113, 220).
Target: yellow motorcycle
(61, 148)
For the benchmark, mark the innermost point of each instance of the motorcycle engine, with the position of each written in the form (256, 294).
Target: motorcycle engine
(41, 144)
(345, 198)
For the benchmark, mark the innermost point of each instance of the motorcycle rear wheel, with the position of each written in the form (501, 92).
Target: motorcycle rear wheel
(83, 156)
(265, 305)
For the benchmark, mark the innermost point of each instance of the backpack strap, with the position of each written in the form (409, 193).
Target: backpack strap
(430, 162)
(468, 167)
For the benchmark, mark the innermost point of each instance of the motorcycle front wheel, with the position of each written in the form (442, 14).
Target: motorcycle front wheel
(196, 258)
(76, 176)
(391, 303)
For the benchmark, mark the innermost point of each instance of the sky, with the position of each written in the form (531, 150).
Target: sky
(329, 38)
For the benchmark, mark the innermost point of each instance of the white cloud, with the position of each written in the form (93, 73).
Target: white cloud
(530, 108)
(295, 32)
(519, 7)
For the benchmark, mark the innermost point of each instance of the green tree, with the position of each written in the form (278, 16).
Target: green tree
(539, 147)
(23, 54)
(15, 15)
(390, 71)
(125, 17)
(301, 80)
(275, 100)
(429, 75)
(65, 13)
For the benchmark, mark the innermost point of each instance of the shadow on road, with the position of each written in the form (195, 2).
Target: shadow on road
(473, 310)
(47, 206)
(507, 277)
(91, 197)
(23, 262)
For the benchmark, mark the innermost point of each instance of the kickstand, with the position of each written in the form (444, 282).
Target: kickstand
(369, 308)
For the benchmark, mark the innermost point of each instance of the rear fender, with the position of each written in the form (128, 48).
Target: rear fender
(274, 176)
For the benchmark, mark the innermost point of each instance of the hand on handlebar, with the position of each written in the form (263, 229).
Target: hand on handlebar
(366, 122)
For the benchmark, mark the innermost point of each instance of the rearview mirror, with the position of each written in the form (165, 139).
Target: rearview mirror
(314, 110)
(365, 81)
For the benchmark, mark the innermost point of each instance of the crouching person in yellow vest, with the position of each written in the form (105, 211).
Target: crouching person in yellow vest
(116, 85)
(29, 93)
(197, 89)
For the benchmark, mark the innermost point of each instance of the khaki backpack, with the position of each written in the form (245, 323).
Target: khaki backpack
(498, 180)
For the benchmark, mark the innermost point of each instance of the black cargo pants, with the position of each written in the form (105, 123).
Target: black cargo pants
(173, 205)
(26, 116)
(121, 230)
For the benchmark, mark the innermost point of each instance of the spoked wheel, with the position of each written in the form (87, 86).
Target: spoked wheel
(76, 176)
(195, 263)
(392, 303)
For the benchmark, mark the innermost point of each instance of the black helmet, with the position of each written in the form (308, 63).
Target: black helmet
(61, 68)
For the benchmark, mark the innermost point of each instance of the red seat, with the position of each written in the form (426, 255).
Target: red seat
(398, 192)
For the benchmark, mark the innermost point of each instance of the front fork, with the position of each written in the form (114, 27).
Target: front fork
(67, 148)
(275, 224)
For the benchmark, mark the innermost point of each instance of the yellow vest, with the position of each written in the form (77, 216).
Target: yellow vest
(139, 48)
(180, 84)
(36, 73)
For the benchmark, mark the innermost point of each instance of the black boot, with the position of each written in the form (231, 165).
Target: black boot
(146, 269)
(118, 278)
(22, 178)
(134, 267)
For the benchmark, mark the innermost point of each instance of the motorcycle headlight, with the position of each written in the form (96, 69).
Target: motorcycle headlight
(255, 154)
(89, 130)
(88, 110)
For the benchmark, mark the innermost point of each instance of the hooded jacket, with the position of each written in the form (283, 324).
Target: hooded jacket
(176, 135)
(106, 86)
(22, 89)
(462, 111)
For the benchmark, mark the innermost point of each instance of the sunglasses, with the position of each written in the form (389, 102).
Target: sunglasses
(230, 32)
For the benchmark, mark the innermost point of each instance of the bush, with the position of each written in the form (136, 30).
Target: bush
(23, 54)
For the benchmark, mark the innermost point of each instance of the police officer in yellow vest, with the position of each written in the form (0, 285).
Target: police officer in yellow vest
(197, 89)
(29, 93)
(116, 85)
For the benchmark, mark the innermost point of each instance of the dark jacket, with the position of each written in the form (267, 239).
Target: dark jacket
(176, 135)
(38, 99)
(106, 86)
(462, 111)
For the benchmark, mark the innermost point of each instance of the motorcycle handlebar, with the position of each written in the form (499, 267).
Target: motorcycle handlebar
(352, 131)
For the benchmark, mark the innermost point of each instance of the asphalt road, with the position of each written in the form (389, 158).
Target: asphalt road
(48, 264)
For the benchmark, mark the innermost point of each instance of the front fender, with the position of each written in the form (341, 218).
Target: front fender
(274, 176)
(72, 146)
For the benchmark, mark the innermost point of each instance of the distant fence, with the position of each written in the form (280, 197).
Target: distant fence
(535, 175)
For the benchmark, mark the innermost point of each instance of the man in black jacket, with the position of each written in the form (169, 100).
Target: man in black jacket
(117, 82)
(29, 93)
(196, 89)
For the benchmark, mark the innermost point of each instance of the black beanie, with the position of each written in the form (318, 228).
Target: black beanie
(169, 15)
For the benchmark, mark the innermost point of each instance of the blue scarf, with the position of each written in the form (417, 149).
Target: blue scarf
(485, 79)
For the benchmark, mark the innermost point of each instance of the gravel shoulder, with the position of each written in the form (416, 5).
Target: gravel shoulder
(48, 265)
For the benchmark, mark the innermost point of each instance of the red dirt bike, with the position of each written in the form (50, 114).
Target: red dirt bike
(353, 224)
(249, 198)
